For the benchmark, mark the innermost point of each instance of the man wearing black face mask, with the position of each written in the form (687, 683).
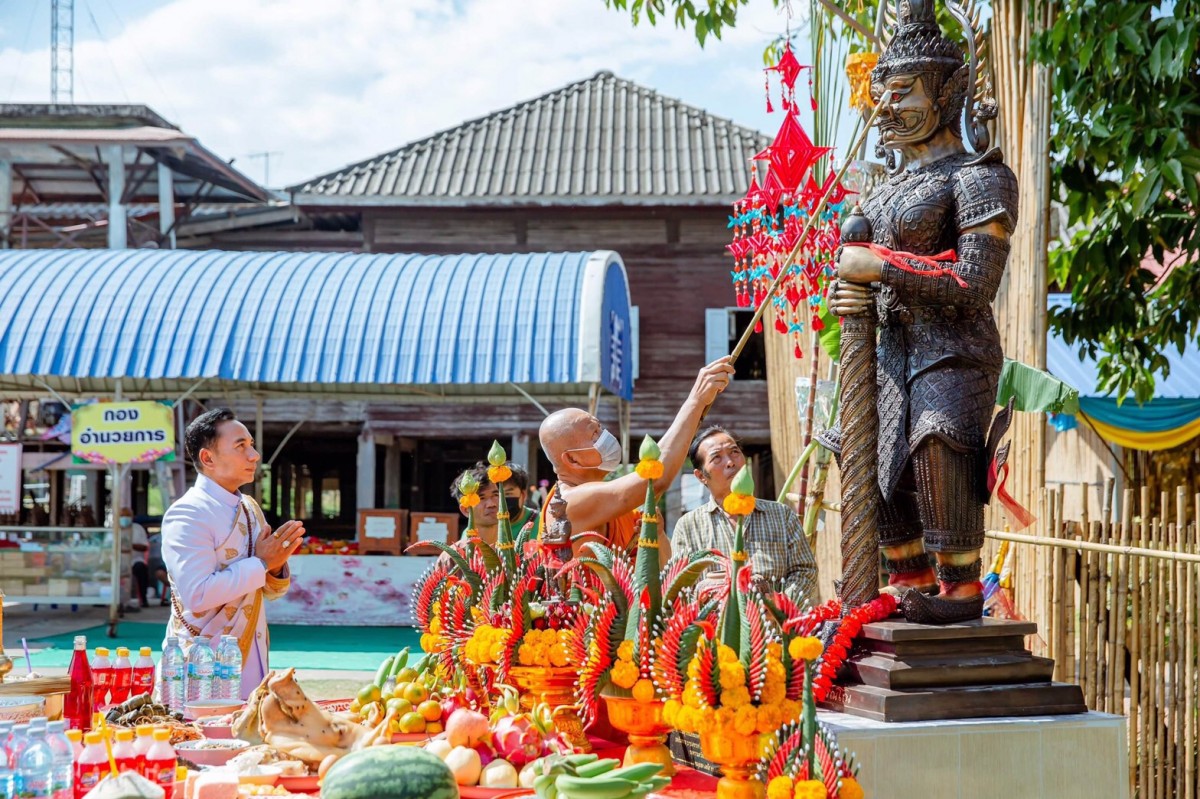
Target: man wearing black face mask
(516, 491)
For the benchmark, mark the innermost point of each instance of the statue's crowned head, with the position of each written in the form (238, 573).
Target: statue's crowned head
(919, 63)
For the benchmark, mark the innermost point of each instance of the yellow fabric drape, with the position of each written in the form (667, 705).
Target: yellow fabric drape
(1133, 439)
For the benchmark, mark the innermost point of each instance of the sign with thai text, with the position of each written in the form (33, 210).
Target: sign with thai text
(10, 478)
(122, 432)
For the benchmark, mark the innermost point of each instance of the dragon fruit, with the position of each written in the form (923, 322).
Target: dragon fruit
(517, 739)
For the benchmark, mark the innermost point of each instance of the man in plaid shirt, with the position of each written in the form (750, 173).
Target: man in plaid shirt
(779, 552)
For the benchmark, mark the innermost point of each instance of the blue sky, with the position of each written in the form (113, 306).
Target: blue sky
(322, 84)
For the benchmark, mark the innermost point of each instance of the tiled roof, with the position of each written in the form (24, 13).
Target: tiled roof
(601, 141)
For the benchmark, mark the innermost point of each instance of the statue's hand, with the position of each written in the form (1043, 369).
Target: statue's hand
(850, 299)
(859, 265)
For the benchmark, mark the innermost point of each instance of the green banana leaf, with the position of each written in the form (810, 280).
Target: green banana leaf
(1035, 390)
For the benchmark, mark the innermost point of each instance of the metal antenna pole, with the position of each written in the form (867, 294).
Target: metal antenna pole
(62, 51)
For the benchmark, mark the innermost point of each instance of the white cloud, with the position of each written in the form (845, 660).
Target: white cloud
(329, 83)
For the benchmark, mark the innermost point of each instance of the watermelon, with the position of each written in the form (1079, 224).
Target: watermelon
(389, 772)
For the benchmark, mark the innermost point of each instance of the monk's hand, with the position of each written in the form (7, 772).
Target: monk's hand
(274, 547)
(850, 299)
(712, 380)
(859, 265)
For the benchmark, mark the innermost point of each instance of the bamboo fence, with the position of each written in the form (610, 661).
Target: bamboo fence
(1115, 600)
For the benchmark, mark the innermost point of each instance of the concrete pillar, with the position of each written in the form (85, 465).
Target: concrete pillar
(166, 205)
(6, 201)
(391, 476)
(114, 157)
(366, 471)
(519, 452)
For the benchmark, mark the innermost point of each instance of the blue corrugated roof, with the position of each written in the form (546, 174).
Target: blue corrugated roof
(291, 317)
(1064, 362)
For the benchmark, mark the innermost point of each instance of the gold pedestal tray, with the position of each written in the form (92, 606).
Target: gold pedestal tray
(53, 689)
(554, 686)
(643, 723)
(738, 757)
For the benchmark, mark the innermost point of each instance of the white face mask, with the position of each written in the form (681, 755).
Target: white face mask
(610, 451)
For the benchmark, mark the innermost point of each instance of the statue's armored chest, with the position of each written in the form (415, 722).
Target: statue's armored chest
(914, 211)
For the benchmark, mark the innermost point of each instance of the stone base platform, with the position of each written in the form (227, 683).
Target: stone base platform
(1079, 756)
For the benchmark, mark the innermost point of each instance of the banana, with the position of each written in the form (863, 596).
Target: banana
(544, 787)
(604, 787)
(596, 767)
(638, 772)
(582, 760)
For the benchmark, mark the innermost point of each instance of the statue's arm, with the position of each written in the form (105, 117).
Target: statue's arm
(985, 197)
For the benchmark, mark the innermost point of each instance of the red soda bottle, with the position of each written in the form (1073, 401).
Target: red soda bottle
(141, 745)
(123, 752)
(92, 764)
(143, 673)
(160, 763)
(102, 677)
(122, 677)
(77, 707)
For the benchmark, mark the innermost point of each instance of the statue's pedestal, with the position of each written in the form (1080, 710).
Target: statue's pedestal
(900, 671)
(1081, 756)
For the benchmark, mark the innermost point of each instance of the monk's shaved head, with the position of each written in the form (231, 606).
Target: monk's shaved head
(570, 428)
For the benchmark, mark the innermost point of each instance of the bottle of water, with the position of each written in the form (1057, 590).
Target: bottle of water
(170, 670)
(219, 681)
(7, 777)
(35, 766)
(15, 744)
(200, 663)
(64, 760)
(231, 668)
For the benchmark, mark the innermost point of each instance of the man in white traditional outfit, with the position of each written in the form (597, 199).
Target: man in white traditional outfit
(221, 557)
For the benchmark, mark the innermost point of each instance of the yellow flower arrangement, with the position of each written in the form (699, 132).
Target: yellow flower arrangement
(858, 70)
(545, 648)
(736, 713)
(498, 472)
(625, 674)
(486, 644)
(649, 466)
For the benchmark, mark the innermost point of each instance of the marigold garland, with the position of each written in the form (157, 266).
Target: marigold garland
(851, 625)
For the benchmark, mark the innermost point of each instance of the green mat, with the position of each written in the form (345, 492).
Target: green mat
(292, 645)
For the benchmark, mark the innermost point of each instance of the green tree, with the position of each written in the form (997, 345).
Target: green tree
(1125, 158)
(1125, 161)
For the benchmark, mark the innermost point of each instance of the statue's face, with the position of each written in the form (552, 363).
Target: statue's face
(910, 116)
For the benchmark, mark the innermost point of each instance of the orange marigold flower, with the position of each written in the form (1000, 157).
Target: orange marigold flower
(738, 504)
(780, 788)
(650, 469)
(498, 474)
(468, 501)
(849, 788)
(625, 651)
(643, 691)
(745, 720)
(805, 648)
(810, 789)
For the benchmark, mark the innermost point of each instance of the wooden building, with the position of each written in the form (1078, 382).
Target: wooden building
(601, 164)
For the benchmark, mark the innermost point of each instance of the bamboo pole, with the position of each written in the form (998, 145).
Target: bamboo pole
(1189, 626)
(1085, 546)
(1120, 622)
(1147, 678)
(1058, 630)
(1160, 686)
(1135, 633)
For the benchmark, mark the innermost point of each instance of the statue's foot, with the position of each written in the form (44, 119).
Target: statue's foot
(899, 583)
(920, 608)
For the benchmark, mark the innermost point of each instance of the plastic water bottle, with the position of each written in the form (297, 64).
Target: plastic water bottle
(200, 663)
(231, 668)
(219, 683)
(7, 777)
(63, 751)
(35, 767)
(171, 669)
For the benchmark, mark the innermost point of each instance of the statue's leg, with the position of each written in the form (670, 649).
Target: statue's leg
(904, 556)
(948, 497)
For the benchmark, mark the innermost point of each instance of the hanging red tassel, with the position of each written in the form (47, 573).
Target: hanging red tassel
(767, 91)
(780, 325)
(758, 328)
(799, 353)
(817, 324)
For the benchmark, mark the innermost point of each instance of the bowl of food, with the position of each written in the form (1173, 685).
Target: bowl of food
(209, 752)
(202, 708)
(20, 708)
(259, 775)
